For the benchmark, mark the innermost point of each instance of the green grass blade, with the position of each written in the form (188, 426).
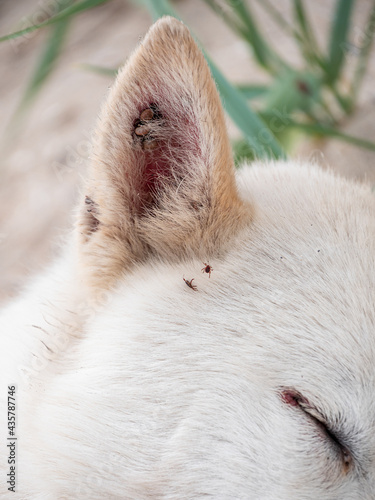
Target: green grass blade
(72, 10)
(253, 128)
(47, 61)
(338, 39)
(331, 132)
(159, 8)
(100, 70)
(306, 38)
(325, 131)
(253, 91)
(277, 17)
(244, 24)
(261, 50)
(303, 22)
(265, 56)
(363, 57)
(233, 23)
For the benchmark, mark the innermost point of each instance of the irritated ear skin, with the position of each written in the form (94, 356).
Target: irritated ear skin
(161, 181)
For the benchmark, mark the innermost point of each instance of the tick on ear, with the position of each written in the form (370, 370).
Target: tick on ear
(144, 127)
(142, 130)
(146, 115)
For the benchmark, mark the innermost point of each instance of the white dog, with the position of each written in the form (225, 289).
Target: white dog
(204, 336)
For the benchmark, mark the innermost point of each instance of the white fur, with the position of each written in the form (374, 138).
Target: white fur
(162, 392)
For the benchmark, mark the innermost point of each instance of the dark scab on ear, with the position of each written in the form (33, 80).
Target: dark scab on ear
(90, 216)
(195, 205)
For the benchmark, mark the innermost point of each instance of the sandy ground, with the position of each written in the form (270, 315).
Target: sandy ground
(41, 165)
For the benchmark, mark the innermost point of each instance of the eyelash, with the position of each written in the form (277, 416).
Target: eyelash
(294, 398)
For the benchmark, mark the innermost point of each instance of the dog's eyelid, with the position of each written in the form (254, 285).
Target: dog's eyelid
(295, 398)
(314, 413)
(321, 419)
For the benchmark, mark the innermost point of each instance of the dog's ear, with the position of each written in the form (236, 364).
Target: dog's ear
(161, 180)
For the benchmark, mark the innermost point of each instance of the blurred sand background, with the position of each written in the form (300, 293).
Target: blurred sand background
(41, 167)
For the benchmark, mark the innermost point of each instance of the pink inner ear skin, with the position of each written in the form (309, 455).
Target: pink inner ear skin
(166, 149)
(157, 171)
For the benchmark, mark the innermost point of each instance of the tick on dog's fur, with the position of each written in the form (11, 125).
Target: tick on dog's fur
(207, 269)
(190, 284)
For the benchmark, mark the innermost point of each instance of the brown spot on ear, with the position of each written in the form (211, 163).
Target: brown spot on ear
(91, 222)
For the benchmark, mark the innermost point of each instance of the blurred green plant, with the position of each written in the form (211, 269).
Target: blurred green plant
(312, 99)
(47, 60)
(57, 25)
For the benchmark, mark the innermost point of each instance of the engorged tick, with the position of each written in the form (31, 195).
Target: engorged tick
(144, 128)
(146, 115)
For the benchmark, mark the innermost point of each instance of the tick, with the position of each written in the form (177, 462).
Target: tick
(144, 127)
(207, 269)
(190, 284)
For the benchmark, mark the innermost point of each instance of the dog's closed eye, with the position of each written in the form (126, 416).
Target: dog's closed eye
(297, 400)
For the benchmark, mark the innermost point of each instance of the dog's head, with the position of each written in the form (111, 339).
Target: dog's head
(233, 355)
